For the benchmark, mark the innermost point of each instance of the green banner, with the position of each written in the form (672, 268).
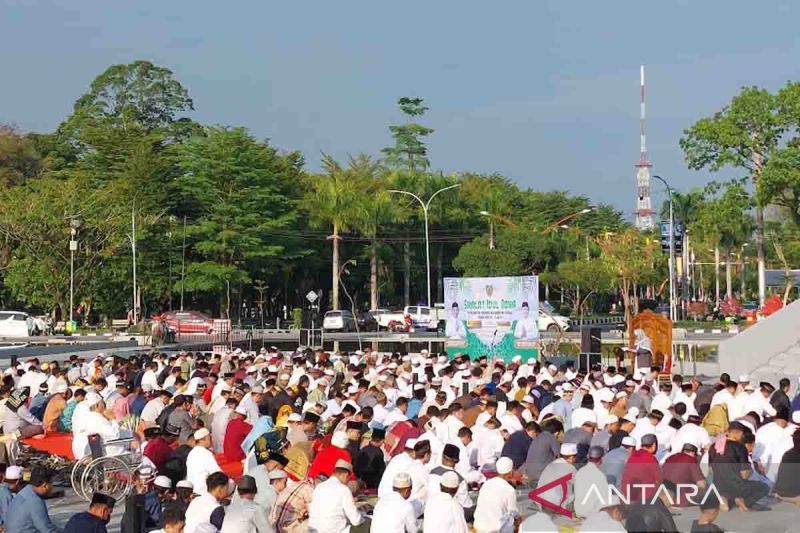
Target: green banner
(495, 317)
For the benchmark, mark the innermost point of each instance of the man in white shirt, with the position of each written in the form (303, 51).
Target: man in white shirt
(206, 509)
(399, 463)
(490, 443)
(443, 512)
(454, 327)
(244, 515)
(154, 407)
(219, 423)
(758, 402)
(418, 471)
(496, 510)
(527, 327)
(393, 513)
(200, 462)
(332, 508)
(150, 378)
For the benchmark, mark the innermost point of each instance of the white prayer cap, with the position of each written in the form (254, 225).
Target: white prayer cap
(15, 472)
(516, 359)
(277, 474)
(92, 399)
(59, 387)
(272, 369)
(339, 439)
(531, 361)
(529, 399)
(618, 379)
(201, 434)
(285, 377)
(184, 484)
(796, 417)
(744, 378)
(628, 441)
(606, 395)
(163, 481)
(450, 480)
(295, 417)
(567, 387)
(423, 351)
(406, 358)
(419, 386)
(410, 443)
(251, 369)
(401, 481)
(569, 449)
(258, 389)
(504, 465)
(241, 410)
(609, 419)
(633, 412)
(607, 381)
(621, 394)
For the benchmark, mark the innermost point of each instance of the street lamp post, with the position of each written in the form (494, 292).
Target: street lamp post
(342, 270)
(74, 225)
(425, 206)
(671, 250)
(561, 221)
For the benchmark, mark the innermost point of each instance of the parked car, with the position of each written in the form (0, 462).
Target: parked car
(13, 324)
(549, 321)
(339, 320)
(187, 322)
(367, 322)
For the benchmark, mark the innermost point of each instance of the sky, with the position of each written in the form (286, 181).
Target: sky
(545, 92)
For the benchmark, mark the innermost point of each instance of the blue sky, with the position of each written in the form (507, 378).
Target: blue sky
(545, 92)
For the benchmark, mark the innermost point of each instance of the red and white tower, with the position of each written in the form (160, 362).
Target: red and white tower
(644, 207)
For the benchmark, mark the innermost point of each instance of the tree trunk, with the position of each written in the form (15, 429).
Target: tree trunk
(716, 275)
(406, 273)
(728, 276)
(335, 270)
(373, 274)
(760, 249)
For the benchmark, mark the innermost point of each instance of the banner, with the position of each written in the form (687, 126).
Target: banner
(495, 317)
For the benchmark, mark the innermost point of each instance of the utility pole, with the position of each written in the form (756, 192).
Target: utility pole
(671, 236)
(133, 248)
(183, 260)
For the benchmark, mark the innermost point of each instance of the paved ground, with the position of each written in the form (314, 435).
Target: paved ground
(783, 518)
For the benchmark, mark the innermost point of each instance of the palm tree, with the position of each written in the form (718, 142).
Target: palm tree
(376, 209)
(334, 200)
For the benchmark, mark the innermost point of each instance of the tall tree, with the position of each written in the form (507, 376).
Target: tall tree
(335, 201)
(238, 193)
(744, 135)
(409, 151)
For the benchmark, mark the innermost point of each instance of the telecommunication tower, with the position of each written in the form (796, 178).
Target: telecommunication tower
(644, 207)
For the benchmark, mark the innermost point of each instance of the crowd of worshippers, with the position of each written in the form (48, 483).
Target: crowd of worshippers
(410, 442)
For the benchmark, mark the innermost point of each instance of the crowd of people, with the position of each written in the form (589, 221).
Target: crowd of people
(326, 442)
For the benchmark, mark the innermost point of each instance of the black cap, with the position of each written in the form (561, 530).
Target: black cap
(170, 430)
(279, 457)
(649, 440)
(247, 485)
(151, 433)
(655, 413)
(98, 498)
(227, 375)
(311, 417)
(354, 424)
(378, 434)
(767, 386)
(451, 452)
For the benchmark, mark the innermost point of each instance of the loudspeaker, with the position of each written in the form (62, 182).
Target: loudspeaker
(133, 519)
(586, 360)
(590, 340)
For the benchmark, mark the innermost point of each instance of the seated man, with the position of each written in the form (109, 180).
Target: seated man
(683, 470)
(787, 484)
(732, 470)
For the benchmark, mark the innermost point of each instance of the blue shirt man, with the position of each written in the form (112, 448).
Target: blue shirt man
(28, 512)
(8, 488)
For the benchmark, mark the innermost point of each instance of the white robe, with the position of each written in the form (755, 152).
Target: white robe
(89, 423)
(444, 514)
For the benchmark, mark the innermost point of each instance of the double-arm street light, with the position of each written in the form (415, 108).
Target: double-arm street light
(425, 206)
(504, 220)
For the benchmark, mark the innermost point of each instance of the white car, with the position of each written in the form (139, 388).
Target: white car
(552, 323)
(13, 324)
(339, 321)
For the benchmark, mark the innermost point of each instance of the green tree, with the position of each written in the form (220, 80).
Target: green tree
(724, 221)
(582, 279)
(334, 200)
(630, 258)
(409, 151)
(238, 192)
(19, 159)
(780, 182)
(743, 135)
